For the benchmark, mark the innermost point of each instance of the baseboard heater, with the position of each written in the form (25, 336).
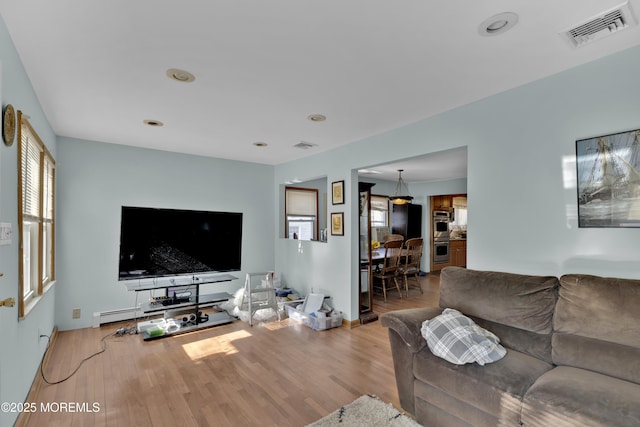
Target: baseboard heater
(110, 316)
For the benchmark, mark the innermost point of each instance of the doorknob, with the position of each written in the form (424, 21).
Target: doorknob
(9, 302)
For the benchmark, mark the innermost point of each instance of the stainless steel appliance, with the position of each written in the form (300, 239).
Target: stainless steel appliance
(441, 225)
(441, 237)
(441, 251)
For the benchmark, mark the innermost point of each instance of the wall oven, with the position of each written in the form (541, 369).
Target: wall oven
(441, 251)
(441, 237)
(440, 225)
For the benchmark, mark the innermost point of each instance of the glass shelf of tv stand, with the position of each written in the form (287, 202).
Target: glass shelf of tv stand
(136, 285)
(215, 319)
(206, 300)
(195, 303)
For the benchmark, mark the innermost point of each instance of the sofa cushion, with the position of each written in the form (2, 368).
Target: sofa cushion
(600, 308)
(496, 389)
(536, 345)
(567, 396)
(516, 308)
(597, 326)
(435, 408)
(457, 339)
(619, 361)
(523, 302)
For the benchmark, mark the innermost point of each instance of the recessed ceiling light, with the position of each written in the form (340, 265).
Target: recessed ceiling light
(153, 123)
(317, 118)
(180, 75)
(498, 24)
(260, 144)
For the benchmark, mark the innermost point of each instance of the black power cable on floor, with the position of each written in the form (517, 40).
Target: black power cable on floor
(103, 343)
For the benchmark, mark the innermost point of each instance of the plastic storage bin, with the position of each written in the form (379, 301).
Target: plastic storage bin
(320, 320)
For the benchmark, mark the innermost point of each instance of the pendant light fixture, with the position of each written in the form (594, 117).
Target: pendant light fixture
(401, 195)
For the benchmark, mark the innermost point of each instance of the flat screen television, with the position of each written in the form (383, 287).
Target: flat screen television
(167, 242)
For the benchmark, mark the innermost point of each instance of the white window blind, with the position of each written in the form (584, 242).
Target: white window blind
(301, 202)
(36, 181)
(47, 209)
(379, 211)
(380, 203)
(31, 154)
(459, 203)
(301, 212)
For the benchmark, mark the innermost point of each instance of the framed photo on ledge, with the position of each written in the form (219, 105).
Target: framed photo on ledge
(608, 180)
(337, 193)
(337, 223)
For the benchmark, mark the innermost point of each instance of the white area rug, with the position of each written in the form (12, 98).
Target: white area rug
(366, 411)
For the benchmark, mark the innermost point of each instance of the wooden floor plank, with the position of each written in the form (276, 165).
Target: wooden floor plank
(230, 375)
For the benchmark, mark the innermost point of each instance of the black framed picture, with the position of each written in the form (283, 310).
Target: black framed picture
(337, 223)
(337, 192)
(608, 180)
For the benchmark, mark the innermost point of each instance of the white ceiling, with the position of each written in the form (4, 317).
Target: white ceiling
(440, 166)
(262, 67)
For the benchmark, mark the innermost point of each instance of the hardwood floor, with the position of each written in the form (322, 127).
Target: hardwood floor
(276, 373)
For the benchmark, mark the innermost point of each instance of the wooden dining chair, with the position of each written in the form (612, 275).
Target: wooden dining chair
(389, 270)
(389, 237)
(410, 263)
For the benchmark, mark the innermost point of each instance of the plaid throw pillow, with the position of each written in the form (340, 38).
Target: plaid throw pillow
(457, 339)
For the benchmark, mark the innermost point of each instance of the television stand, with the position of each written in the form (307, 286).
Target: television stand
(188, 312)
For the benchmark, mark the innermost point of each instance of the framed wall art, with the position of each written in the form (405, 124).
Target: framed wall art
(608, 180)
(337, 192)
(337, 223)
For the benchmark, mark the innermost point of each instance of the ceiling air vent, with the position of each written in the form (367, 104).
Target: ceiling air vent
(304, 145)
(606, 24)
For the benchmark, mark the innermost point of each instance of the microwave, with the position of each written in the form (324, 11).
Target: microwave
(441, 215)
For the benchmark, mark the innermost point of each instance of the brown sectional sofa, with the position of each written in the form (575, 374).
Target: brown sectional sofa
(573, 352)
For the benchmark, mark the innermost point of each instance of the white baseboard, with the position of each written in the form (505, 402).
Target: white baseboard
(109, 316)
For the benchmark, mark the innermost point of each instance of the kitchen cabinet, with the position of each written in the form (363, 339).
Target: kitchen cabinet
(458, 251)
(441, 202)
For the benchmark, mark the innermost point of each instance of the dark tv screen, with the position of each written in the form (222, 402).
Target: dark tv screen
(164, 242)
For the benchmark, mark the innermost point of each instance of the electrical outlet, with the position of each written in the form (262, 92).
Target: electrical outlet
(76, 313)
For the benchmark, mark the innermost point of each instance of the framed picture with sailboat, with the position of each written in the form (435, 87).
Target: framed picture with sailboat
(608, 180)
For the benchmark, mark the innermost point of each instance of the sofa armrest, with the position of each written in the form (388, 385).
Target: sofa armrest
(407, 323)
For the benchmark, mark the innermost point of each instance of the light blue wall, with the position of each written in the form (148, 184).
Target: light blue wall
(520, 184)
(21, 349)
(96, 179)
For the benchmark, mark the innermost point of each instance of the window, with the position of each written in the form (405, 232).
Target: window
(458, 225)
(36, 214)
(301, 213)
(379, 211)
